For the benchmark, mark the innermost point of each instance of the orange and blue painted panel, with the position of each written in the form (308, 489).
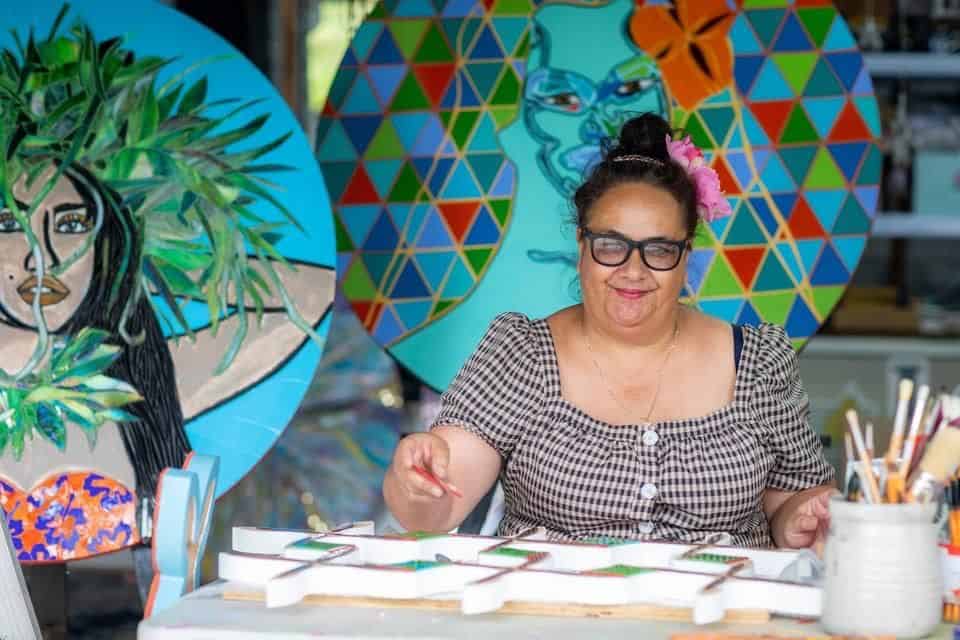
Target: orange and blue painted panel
(69, 515)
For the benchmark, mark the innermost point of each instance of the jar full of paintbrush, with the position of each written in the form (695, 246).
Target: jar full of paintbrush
(883, 569)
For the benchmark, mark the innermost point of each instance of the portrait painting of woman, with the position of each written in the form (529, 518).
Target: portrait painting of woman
(142, 285)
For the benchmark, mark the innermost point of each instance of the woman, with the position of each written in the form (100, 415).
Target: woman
(629, 415)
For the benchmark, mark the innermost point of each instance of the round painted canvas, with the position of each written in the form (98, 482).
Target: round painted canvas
(166, 266)
(456, 131)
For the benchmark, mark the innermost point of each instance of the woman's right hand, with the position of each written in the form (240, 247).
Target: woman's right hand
(430, 453)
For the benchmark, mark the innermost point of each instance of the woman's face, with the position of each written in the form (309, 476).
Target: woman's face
(64, 224)
(632, 293)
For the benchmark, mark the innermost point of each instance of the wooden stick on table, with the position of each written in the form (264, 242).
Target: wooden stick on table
(568, 610)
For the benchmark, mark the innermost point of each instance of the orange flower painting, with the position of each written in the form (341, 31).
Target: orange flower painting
(690, 44)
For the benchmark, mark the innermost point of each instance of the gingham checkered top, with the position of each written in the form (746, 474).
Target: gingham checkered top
(682, 480)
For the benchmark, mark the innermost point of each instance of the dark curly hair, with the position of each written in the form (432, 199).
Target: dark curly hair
(644, 136)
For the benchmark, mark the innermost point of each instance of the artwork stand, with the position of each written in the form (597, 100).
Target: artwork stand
(143, 569)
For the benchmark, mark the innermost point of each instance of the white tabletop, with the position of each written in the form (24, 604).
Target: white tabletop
(204, 615)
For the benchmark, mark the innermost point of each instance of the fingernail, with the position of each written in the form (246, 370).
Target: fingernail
(437, 492)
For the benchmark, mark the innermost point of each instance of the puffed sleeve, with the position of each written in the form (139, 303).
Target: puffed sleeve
(500, 387)
(783, 412)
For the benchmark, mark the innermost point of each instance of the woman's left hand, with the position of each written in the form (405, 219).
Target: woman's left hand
(808, 522)
(801, 520)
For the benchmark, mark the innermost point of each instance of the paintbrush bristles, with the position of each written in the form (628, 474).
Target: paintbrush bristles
(905, 391)
(951, 408)
(942, 456)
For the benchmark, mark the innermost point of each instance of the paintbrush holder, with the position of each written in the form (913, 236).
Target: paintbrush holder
(883, 570)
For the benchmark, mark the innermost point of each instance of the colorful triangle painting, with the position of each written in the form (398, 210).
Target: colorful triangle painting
(418, 146)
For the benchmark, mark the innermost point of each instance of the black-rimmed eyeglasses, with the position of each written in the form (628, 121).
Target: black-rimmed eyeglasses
(612, 250)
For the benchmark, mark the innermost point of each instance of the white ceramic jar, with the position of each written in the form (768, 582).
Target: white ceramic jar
(883, 570)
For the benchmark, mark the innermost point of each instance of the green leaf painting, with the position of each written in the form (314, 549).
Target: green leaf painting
(181, 165)
(73, 388)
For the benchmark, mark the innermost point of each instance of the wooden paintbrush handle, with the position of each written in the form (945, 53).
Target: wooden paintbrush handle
(872, 489)
(893, 452)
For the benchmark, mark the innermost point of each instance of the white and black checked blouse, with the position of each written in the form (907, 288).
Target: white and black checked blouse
(682, 480)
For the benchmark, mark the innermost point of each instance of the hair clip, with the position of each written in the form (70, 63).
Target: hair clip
(637, 158)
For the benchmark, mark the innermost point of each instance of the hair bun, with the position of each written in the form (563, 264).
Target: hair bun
(644, 135)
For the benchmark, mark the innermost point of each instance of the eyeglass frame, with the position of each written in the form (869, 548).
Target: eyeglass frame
(639, 245)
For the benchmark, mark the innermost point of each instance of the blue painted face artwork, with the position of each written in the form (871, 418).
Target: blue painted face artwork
(571, 104)
(569, 115)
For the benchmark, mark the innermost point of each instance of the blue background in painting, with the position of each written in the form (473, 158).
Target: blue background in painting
(241, 431)
(541, 216)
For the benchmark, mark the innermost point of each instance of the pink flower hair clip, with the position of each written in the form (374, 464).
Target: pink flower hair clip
(711, 204)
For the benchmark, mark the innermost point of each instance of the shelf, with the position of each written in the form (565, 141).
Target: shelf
(913, 65)
(844, 346)
(912, 225)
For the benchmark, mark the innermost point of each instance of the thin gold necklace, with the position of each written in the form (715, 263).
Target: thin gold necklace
(656, 392)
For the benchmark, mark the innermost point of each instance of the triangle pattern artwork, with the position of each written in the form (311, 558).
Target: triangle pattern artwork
(431, 112)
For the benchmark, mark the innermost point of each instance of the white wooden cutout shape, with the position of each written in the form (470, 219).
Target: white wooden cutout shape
(184, 513)
(485, 573)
